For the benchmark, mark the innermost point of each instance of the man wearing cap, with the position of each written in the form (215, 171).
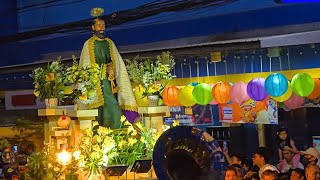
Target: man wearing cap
(114, 94)
(311, 156)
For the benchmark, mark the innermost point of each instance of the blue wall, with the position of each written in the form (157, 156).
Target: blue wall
(250, 61)
(164, 26)
(300, 57)
(8, 17)
(60, 12)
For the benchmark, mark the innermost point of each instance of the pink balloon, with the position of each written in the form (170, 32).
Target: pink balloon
(294, 101)
(213, 102)
(238, 93)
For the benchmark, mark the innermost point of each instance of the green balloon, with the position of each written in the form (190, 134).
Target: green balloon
(302, 84)
(160, 102)
(202, 94)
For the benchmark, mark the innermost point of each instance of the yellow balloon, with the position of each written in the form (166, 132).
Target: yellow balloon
(185, 96)
(285, 96)
(141, 101)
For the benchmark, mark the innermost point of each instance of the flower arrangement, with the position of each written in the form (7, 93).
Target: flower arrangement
(153, 75)
(100, 146)
(133, 142)
(96, 148)
(82, 81)
(45, 164)
(49, 81)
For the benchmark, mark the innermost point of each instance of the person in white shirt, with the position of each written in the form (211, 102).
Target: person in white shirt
(261, 158)
(287, 162)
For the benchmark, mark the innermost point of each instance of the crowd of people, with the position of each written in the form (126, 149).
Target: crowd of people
(11, 161)
(293, 164)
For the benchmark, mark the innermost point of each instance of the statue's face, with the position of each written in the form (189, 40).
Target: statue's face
(99, 28)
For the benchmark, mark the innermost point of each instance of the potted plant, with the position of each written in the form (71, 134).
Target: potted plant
(133, 142)
(96, 148)
(101, 147)
(45, 164)
(152, 75)
(49, 83)
(73, 167)
(82, 83)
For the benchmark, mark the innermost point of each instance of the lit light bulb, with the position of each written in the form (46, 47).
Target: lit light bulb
(64, 158)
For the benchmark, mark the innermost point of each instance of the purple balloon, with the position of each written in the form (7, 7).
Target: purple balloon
(256, 90)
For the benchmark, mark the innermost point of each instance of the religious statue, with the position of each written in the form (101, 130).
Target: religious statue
(114, 94)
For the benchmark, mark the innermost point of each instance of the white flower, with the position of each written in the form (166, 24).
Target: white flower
(105, 160)
(76, 155)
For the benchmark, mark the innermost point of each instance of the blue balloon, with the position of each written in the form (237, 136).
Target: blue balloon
(276, 84)
(194, 84)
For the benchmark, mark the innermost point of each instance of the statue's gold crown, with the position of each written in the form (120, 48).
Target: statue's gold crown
(96, 12)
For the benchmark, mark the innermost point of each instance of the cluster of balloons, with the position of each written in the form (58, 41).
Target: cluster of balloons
(275, 85)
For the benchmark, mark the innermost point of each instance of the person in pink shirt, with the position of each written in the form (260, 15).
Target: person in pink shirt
(287, 143)
(287, 163)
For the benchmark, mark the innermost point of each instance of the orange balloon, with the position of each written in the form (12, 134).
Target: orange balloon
(221, 92)
(170, 96)
(316, 90)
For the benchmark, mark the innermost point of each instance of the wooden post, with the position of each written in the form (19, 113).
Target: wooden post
(81, 119)
(261, 135)
(152, 117)
(52, 116)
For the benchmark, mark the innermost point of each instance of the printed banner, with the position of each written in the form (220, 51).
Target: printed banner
(258, 112)
(196, 115)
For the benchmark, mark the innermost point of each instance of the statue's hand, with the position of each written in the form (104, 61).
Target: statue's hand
(110, 70)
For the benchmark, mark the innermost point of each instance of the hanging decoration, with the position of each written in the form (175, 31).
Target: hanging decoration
(170, 96)
(213, 102)
(316, 90)
(302, 84)
(276, 84)
(202, 94)
(194, 84)
(238, 93)
(284, 96)
(256, 90)
(221, 92)
(64, 121)
(294, 101)
(185, 96)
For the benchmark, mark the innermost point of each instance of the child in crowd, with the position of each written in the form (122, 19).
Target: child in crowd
(269, 175)
(285, 142)
(231, 173)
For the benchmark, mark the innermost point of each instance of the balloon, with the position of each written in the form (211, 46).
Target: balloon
(194, 84)
(238, 93)
(276, 84)
(316, 91)
(256, 90)
(221, 92)
(185, 96)
(285, 96)
(202, 94)
(302, 84)
(141, 101)
(170, 96)
(294, 101)
(213, 102)
(285, 108)
(160, 102)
